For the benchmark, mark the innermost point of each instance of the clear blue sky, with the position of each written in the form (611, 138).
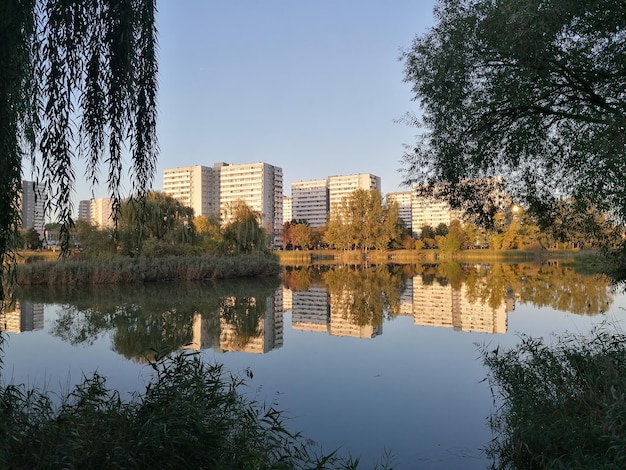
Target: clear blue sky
(310, 86)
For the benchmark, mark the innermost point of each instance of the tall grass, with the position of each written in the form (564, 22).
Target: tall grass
(191, 415)
(561, 405)
(122, 270)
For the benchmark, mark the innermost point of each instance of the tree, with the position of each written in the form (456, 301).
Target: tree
(245, 233)
(77, 80)
(363, 220)
(160, 217)
(529, 89)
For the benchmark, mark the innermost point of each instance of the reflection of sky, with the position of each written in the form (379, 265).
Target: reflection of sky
(414, 390)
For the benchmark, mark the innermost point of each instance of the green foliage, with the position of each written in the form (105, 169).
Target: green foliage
(561, 404)
(363, 221)
(159, 218)
(190, 415)
(95, 242)
(77, 80)
(526, 89)
(244, 234)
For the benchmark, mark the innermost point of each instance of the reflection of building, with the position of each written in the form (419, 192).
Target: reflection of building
(406, 298)
(310, 310)
(23, 316)
(343, 321)
(437, 305)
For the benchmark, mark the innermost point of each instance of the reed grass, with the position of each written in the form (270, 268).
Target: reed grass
(122, 270)
(561, 405)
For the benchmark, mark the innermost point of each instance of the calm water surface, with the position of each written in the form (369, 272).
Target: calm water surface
(366, 359)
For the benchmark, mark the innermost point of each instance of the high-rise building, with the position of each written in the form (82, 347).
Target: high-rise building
(430, 211)
(310, 201)
(212, 191)
(192, 186)
(84, 210)
(404, 200)
(260, 186)
(342, 186)
(102, 212)
(32, 203)
(287, 209)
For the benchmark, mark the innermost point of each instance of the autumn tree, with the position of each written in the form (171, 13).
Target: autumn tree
(529, 89)
(363, 220)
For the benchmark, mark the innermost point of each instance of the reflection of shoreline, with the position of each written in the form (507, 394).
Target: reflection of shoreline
(23, 316)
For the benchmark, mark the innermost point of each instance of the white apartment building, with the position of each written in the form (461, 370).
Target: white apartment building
(310, 201)
(192, 186)
(287, 209)
(101, 212)
(32, 203)
(429, 211)
(260, 186)
(405, 201)
(342, 186)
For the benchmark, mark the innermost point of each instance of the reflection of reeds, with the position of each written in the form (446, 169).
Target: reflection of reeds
(130, 270)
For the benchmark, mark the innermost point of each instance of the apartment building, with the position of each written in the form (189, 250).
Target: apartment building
(84, 210)
(342, 186)
(430, 211)
(32, 203)
(212, 191)
(405, 207)
(102, 212)
(310, 201)
(260, 186)
(287, 209)
(193, 186)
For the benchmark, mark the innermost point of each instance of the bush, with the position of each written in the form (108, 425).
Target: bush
(563, 405)
(191, 415)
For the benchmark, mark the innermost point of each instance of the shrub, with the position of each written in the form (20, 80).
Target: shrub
(562, 405)
(191, 415)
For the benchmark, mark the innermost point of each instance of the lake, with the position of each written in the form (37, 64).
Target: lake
(367, 359)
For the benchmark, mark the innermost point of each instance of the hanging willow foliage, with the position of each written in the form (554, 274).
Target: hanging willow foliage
(78, 80)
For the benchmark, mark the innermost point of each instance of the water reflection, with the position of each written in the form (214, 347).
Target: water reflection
(148, 321)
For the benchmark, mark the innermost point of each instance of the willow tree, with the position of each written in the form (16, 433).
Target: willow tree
(78, 81)
(531, 90)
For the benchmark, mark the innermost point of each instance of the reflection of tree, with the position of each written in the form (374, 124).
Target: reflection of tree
(244, 315)
(301, 278)
(366, 294)
(149, 319)
(547, 285)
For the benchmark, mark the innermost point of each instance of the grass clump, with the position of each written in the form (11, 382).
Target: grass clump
(124, 270)
(191, 415)
(561, 404)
